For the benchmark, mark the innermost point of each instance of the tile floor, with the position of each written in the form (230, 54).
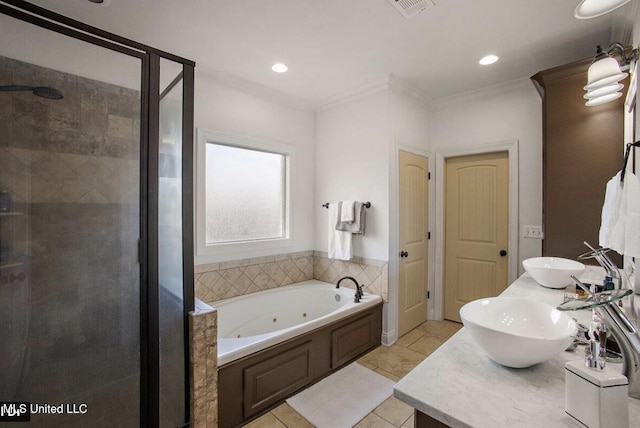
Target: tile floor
(393, 362)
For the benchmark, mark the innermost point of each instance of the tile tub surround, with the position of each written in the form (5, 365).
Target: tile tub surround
(203, 350)
(217, 281)
(373, 274)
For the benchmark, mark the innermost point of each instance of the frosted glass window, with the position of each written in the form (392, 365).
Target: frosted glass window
(245, 194)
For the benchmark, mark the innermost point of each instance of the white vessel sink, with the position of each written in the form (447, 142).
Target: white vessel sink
(552, 272)
(518, 332)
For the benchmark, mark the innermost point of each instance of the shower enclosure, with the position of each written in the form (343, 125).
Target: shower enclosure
(96, 261)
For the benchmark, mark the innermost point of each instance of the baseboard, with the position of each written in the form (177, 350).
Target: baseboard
(389, 338)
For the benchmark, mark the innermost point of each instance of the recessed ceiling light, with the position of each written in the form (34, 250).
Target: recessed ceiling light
(488, 60)
(279, 67)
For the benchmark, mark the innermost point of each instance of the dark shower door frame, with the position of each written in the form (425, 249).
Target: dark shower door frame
(149, 188)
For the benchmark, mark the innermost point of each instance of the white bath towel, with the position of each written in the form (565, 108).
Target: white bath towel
(339, 241)
(347, 212)
(620, 228)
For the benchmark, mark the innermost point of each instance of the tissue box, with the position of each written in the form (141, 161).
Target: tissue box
(598, 399)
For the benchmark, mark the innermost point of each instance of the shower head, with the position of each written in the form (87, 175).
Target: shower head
(40, 91)
(47, 92)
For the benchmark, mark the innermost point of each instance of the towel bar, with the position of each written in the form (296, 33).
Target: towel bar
(366, 205)
(626, 159)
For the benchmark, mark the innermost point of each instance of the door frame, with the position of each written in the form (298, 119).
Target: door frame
(390, 334)
(436, 305)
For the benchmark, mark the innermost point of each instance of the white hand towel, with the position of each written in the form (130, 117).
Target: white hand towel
(339, 241)
(611, 212)
(620, 228)
(347, 213)
(630, 212)
(358, 225)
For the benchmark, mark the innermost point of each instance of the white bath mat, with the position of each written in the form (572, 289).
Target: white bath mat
(342, 399)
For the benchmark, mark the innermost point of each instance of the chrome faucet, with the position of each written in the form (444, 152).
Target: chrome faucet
(628, 339)
(622, 328)
(603, 260)
(606, 307)
(359, 292)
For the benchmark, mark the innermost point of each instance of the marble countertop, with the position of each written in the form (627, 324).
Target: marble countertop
(461, 386)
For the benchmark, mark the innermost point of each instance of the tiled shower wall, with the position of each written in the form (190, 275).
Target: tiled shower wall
(71, 167)
(217, 281)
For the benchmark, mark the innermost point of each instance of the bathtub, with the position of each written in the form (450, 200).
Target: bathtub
(251, 323)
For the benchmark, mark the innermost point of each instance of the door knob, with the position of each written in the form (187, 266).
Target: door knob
(503, 253)
(404, 254)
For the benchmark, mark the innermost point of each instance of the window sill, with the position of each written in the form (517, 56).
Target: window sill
(240, 250)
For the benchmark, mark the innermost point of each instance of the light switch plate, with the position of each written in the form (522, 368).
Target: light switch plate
(534, 232)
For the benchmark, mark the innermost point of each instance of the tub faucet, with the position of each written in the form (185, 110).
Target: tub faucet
(359, 292)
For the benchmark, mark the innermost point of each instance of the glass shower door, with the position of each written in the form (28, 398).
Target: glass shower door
(70, 280)
(171, 297)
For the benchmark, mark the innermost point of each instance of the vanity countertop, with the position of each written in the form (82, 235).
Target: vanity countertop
(461, 386)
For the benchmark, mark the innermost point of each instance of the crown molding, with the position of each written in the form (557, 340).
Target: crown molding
(391, 82)
(358, 92)
(400, 85)
(253, 88)
(521, 82)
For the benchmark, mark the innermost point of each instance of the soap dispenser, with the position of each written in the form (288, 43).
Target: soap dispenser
(596, 394)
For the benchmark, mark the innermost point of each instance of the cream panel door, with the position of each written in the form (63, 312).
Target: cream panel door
(413, 228)
(476, 229)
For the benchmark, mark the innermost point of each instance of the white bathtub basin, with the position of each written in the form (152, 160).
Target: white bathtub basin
(250, 323)
(552, 272)
(518, 332)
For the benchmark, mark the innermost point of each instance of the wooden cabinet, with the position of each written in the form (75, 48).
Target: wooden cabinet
(251, 385)
(582, 150)
(279, 376)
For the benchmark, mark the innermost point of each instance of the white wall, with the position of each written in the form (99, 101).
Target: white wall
(510, 111)
(410, 121)
(352, 149)
(222, 107)
(410, 115)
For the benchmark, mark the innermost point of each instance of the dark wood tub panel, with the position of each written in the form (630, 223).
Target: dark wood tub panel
(254, 384)
(282, 374)
(351, 340)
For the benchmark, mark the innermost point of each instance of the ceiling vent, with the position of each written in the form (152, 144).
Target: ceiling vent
(410, 8)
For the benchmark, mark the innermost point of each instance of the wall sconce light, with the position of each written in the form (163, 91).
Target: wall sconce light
(594, 8)
(605, 74)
